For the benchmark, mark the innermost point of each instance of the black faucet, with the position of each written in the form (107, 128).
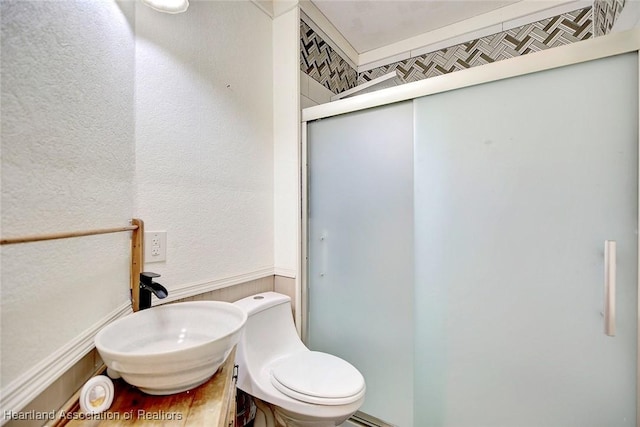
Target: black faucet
(147, 285)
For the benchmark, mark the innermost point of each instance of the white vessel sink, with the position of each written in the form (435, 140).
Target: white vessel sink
(171, 348)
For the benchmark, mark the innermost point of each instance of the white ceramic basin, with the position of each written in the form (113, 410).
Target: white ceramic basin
(173, 347)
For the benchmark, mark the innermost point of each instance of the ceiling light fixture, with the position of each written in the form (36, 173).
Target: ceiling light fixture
(168, 6)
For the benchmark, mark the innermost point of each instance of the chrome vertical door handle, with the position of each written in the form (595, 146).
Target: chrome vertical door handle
(325, 253)
(610, 287)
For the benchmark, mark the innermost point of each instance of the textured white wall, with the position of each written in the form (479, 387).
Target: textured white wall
(173, 124)
(204, 139)
(67, 164)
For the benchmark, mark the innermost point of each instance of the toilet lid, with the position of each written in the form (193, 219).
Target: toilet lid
(316, 377)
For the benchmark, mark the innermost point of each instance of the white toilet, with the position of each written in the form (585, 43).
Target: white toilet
(303, 388)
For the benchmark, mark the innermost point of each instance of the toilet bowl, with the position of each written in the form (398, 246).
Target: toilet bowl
(303, 388)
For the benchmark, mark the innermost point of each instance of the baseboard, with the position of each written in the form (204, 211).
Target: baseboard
(21, 391)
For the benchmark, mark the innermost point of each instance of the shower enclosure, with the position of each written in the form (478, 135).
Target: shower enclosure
(472, 242)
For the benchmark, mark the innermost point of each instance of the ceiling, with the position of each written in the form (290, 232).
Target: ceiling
(372, 24)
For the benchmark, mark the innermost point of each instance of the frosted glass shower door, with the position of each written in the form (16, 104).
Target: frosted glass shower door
(360, 268)
(518, 183)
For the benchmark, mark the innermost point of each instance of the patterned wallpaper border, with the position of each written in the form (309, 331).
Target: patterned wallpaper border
(325, 65)
(605, 13)
(557, 31)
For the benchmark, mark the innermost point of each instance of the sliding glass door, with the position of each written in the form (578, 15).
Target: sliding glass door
(518, 185)
(361, 250)
(457, 255)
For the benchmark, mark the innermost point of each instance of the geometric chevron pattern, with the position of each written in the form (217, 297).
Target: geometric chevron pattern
(324, 64)
(605, 13)
(556, 31)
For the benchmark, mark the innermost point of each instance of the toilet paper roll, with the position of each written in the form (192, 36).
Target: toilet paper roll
(96, 395)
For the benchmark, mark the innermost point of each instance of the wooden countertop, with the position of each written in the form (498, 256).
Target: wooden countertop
(208, 404)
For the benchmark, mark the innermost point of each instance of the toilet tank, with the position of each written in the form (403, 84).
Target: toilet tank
(269, 333)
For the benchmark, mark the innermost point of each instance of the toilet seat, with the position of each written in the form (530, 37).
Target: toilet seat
(319, 378)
